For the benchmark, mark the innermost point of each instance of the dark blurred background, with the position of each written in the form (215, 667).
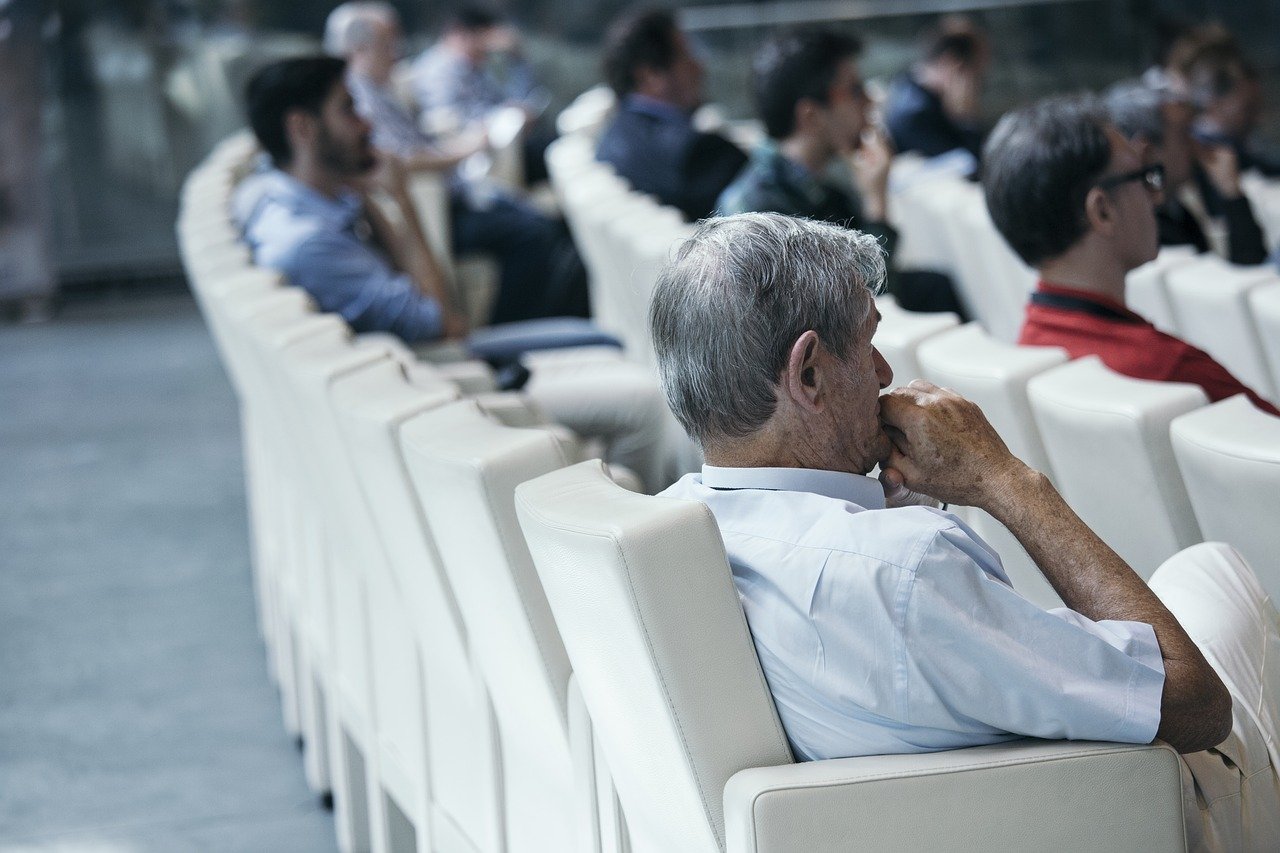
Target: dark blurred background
(105, 106)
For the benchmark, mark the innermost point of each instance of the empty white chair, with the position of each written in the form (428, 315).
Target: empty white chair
(1211, 304)
(999, 279)
(901, 332)
(436, 757)
(336, 620)
(1107, 438)
(1229, 454)
(650, 617)
(994, 375)
(1145, 291)
(467, 467)
(1264, 306)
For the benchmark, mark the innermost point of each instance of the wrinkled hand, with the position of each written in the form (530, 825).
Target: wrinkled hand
(944, 446)
(871, 162)
(896, 493)
(1222, 166)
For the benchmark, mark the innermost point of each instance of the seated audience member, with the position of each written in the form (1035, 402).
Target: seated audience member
(1074, 200)
(1226, 90)
(651, 141)
(889, 628)
(1159, 126)
(309, 219)
(809, 94)
(541, 275)
(933, 107)
(475, 69)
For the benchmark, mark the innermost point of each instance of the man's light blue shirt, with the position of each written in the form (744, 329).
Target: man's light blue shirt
(887, 631)
(325, 246)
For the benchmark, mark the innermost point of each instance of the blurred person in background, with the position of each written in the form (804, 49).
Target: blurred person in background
(311, 219)
(651, 141)
(1158, 123)
(934, 107)
(541, 274)
(476, 69)
(1074, 199)
(809, 94)
(1226, 91)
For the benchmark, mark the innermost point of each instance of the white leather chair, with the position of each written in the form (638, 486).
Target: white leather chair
(467, 466)
(1146, 293)
(436, 756)
(901, 332)
(1210, 301)
(1229, 455)
(994, 375)
(651, 620)
(1264, 306)
(1003, 281)
(333, 592)
(1107, 438)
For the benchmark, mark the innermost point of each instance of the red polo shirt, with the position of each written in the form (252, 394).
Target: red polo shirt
(1126, 343)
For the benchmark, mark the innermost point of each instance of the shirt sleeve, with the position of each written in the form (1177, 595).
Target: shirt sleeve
(1197, 366)
(984, 653)
(350, 279)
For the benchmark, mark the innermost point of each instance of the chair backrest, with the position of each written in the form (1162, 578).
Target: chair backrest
(901, 332)
(373, 409)
(1107, 438)
(1229, 454)
(1146, 292)
(994, 375)
(473, 465)
(646, 605)
(1264, 306)
(1211, 304)
(1005, 281)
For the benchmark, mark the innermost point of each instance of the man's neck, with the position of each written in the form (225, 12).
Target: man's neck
(1084, 267)
(308, 172)
(807, 151)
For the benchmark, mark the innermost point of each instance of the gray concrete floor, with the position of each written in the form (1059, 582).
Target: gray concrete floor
(135, 709)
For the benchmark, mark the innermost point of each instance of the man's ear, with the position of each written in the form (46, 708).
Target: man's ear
(300, 128)
(806, 113)
(1099, 211)
(802, 376)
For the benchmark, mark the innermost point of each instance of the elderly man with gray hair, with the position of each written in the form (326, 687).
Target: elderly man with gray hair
(1203, 205)
(886, 625)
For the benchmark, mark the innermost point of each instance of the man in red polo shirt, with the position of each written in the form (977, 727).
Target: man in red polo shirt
(1074, 200)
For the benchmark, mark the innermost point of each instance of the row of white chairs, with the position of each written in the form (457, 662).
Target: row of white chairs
(480, 665)
(1148, 465)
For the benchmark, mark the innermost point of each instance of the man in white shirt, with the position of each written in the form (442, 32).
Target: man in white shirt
(885, 625)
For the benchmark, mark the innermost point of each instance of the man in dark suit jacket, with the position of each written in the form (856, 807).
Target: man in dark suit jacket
(652, 142)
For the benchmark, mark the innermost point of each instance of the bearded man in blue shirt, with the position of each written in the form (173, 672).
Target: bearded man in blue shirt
(884, 624)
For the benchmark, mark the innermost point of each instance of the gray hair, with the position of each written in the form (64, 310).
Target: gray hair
(736, 296)
(1135, 108)
(351, 26)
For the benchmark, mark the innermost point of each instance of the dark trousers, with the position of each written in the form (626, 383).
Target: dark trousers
(541, 274)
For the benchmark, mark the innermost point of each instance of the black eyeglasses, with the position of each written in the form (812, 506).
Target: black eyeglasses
(1152, 178)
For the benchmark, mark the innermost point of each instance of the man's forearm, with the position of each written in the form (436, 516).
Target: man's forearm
(1093, 580)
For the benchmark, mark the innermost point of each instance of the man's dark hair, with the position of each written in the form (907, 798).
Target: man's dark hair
(473, 18)
(793, 66)
(646, 38)
(1215, 71)
(963, 46)
(302, 83)
(1038, 165)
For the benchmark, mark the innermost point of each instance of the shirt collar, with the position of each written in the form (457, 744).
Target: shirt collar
(658, 109)
(1089, 296)
(339, 212)
(857, 489)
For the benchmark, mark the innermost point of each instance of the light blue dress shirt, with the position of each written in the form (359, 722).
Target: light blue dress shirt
(896, 630)
(325, 246)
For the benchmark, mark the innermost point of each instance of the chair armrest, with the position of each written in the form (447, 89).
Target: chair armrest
(1021, 795)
